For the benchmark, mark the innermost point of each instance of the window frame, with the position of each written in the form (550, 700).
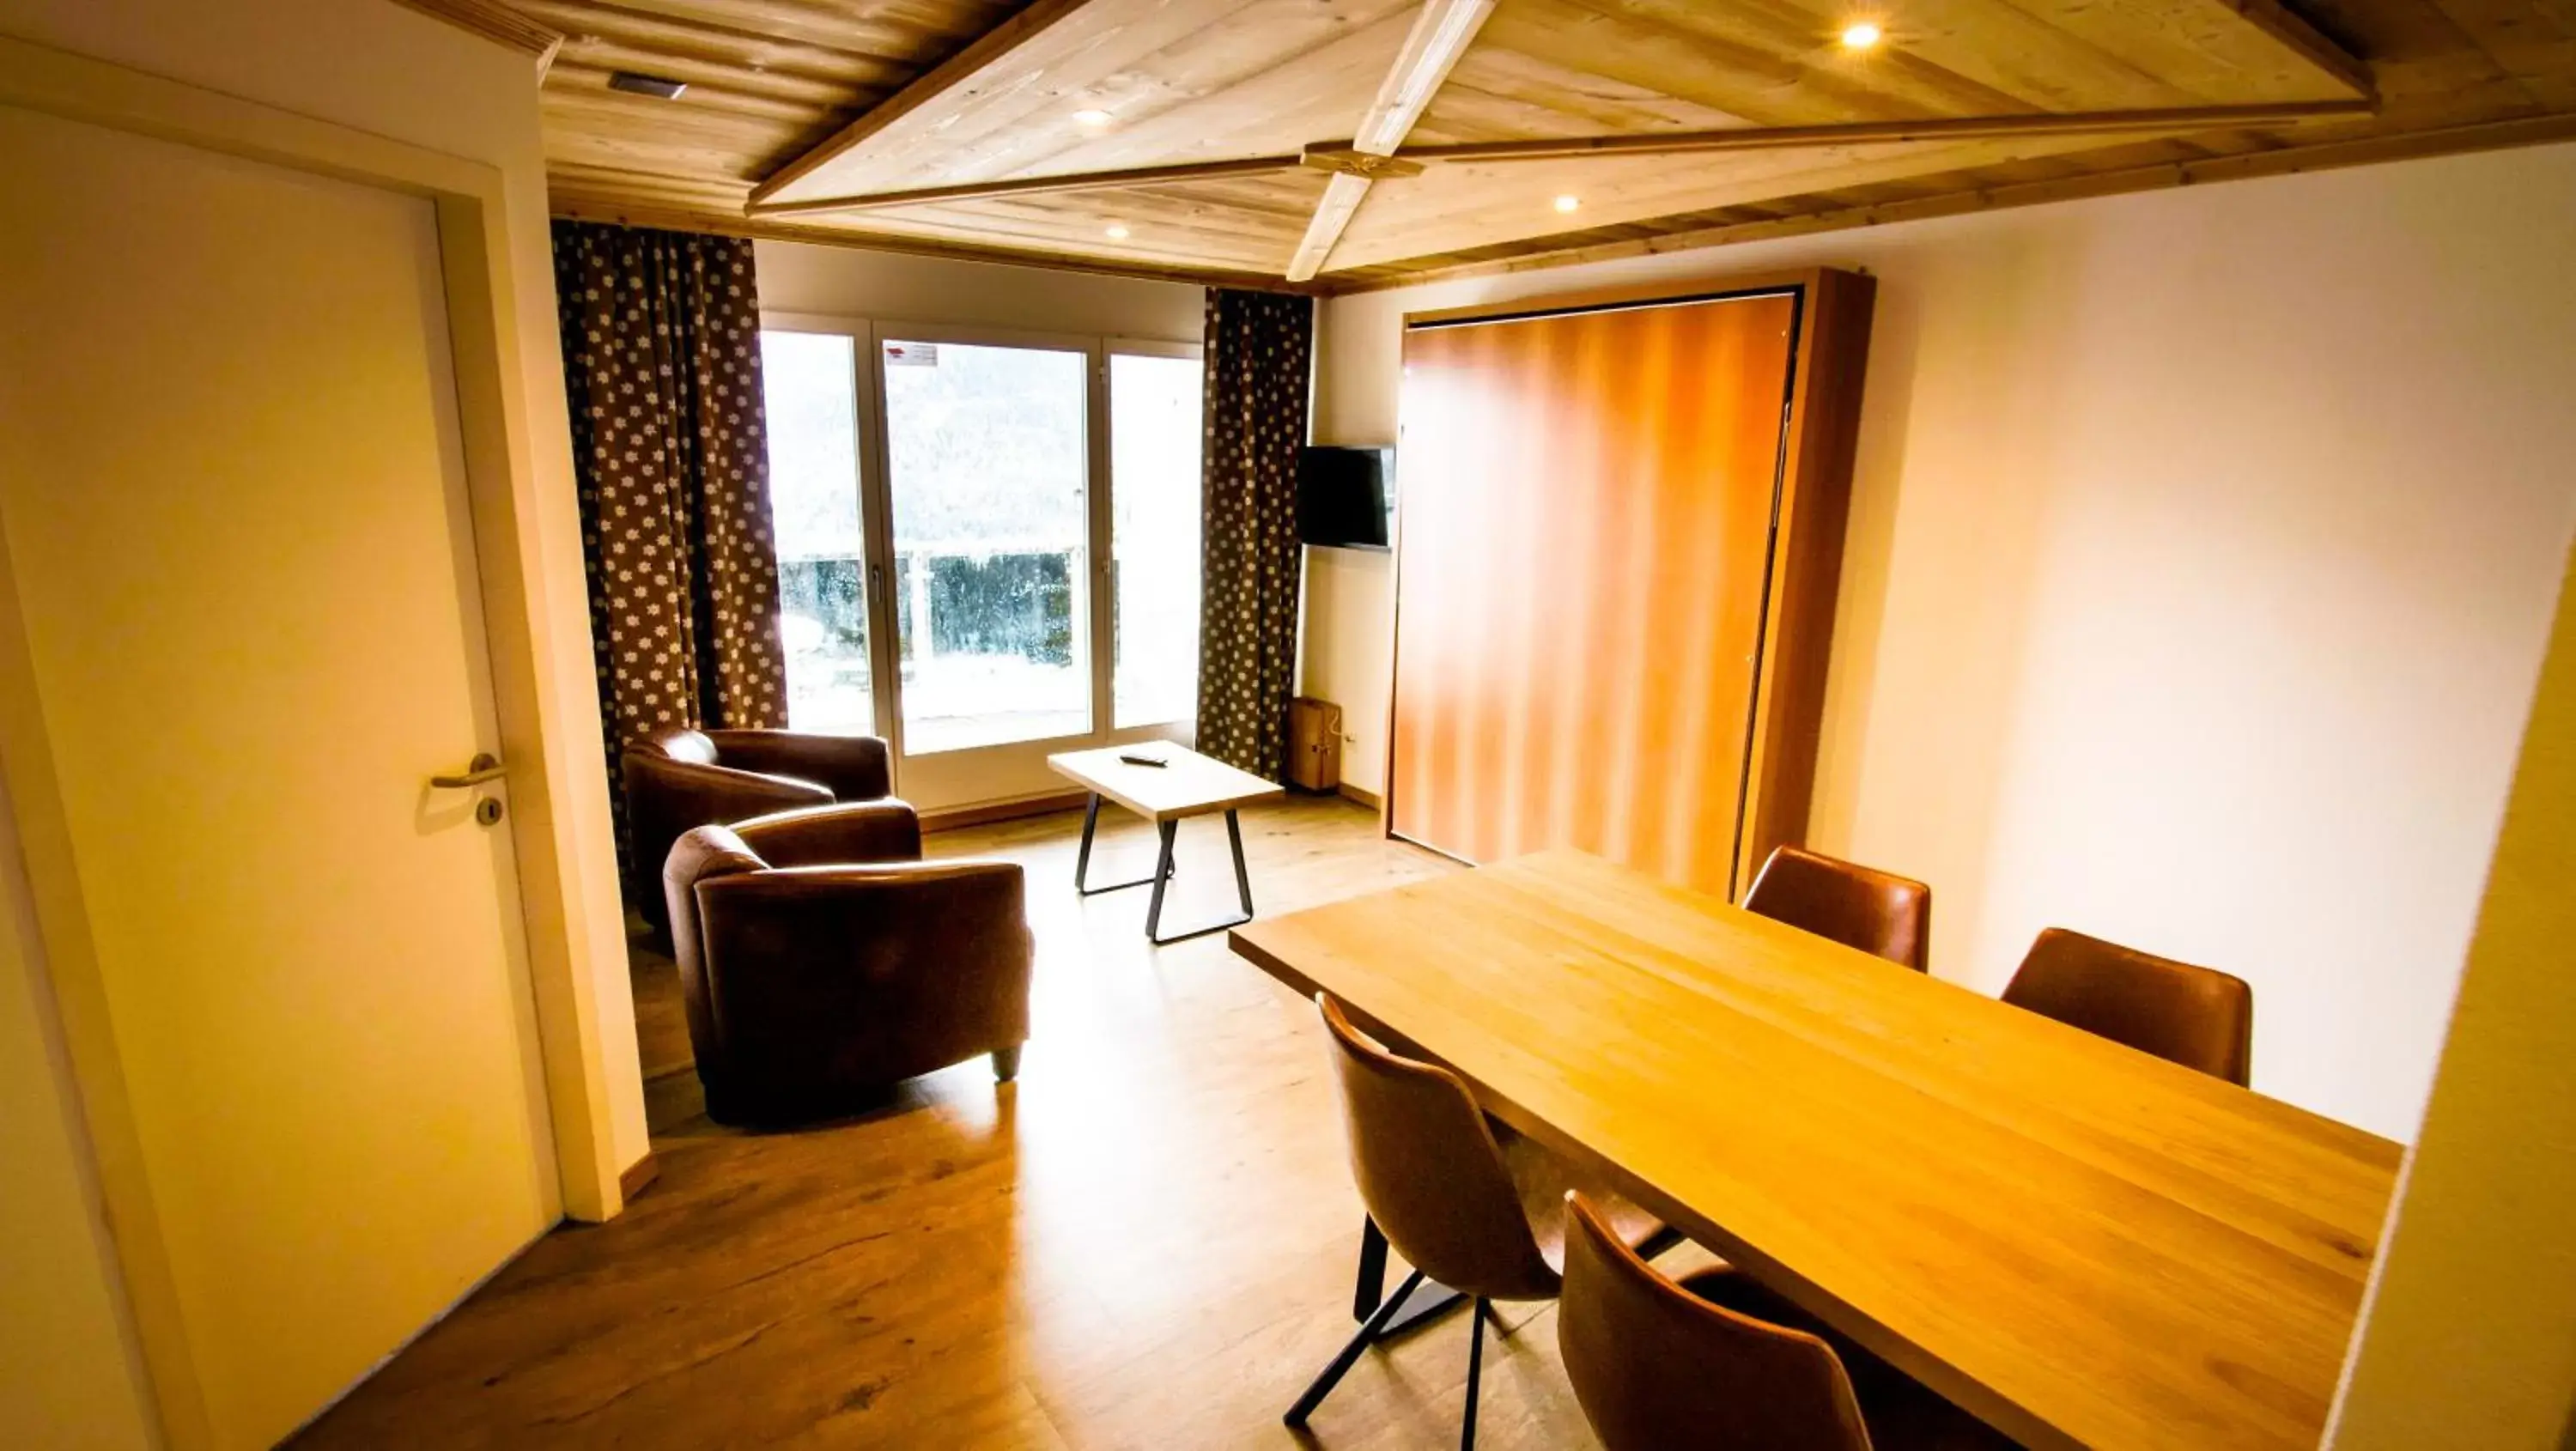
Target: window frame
(959, 777)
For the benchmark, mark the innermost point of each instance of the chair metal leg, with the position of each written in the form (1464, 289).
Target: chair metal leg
(1430, 1299)
(1475, 1371)
(1349, 1356)
(1371, 1291)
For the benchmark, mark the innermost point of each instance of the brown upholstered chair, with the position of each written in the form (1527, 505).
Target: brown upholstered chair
(2198, 1017)
(677, 779)
(1707, 1363)
(822, 961)
(1467, 1202)
(1875, 911)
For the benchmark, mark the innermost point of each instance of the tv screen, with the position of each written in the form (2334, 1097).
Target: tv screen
(1342, 496)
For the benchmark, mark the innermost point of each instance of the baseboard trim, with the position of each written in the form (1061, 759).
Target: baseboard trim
(639, 1176)
(1362, 795)
(949, 818)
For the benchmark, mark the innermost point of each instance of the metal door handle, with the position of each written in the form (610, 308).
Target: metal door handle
(484, 767)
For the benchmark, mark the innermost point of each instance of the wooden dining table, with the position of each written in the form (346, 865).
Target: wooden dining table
(2079, 1243)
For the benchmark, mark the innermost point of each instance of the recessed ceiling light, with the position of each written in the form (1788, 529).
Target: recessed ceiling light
(1116, 233)
(1862, 36)
(1567, 203)
(1092, 117)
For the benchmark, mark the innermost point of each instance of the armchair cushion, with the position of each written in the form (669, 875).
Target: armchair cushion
(868, 831)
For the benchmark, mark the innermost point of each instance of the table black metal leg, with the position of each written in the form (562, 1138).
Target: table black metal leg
(1162, 876)
(1242, 873)
(1082, 859)
(1242, 887)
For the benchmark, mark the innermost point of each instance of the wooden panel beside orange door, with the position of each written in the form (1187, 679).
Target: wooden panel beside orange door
(1587, 509)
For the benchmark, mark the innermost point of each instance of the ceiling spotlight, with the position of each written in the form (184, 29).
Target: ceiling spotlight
(1862, 36)
(1114, 232)
(1092, 117)
(1567, 203)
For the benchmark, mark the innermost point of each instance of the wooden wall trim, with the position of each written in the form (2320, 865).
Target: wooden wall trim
(1823, 435)
(1016, 807)
(639, 1176)
(2286, 161)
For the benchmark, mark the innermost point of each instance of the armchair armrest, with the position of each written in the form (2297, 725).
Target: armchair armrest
(855, 768)
(818, 836)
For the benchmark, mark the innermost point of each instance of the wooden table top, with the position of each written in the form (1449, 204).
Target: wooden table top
(1192, 785)
(2084, 1245)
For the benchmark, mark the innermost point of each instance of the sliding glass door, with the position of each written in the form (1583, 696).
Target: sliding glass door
(988, 544)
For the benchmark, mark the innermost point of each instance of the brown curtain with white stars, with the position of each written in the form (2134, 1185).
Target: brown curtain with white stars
(661, 343)
(1258, 346)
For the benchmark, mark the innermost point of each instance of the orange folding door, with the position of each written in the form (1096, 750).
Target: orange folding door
(1588, 500)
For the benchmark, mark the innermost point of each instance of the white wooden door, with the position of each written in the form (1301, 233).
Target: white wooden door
(233, 495)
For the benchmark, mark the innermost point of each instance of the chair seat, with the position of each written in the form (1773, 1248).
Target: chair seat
(1903, 1414)
(1542, 1177)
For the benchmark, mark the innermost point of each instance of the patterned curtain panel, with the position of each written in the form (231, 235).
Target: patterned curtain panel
(1258, 344)
(661, 343)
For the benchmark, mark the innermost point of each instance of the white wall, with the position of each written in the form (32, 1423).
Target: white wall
(895, 287)
(2201, 555)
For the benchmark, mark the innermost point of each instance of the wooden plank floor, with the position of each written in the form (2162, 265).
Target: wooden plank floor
(1147, 1241)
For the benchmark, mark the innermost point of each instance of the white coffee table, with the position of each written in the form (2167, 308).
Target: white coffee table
(1188, 784)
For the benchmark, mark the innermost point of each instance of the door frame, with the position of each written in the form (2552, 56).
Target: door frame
(558, 830)
(1018, 764)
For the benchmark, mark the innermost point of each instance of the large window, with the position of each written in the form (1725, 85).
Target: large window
(985, 542)
(1154, 534)
(808, 381)
(988, 464)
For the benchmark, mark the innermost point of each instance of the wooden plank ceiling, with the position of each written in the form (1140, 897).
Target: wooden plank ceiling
(1263, 129)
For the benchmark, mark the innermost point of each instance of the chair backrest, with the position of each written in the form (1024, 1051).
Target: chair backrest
(1877, 912)
(1430, 1172)
(679, 744)
(2196, 1016)
(1655, 1366)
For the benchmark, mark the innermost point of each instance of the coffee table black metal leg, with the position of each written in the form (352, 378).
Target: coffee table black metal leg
(1082, 858)
(1242, 873)
(1242, 886)
(1162, 875)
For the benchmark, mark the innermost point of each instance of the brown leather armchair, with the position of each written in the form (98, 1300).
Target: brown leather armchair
(677, 779)
(823, 961)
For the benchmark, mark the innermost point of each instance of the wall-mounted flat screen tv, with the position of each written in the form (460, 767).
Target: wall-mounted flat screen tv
(1344, 496)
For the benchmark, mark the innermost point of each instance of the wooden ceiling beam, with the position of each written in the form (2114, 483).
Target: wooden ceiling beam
(1034, 185)
(2307, 42)
(495, 22)
(1945, 128)
(1440, 35)
(1024, 26)
(2285, 161)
